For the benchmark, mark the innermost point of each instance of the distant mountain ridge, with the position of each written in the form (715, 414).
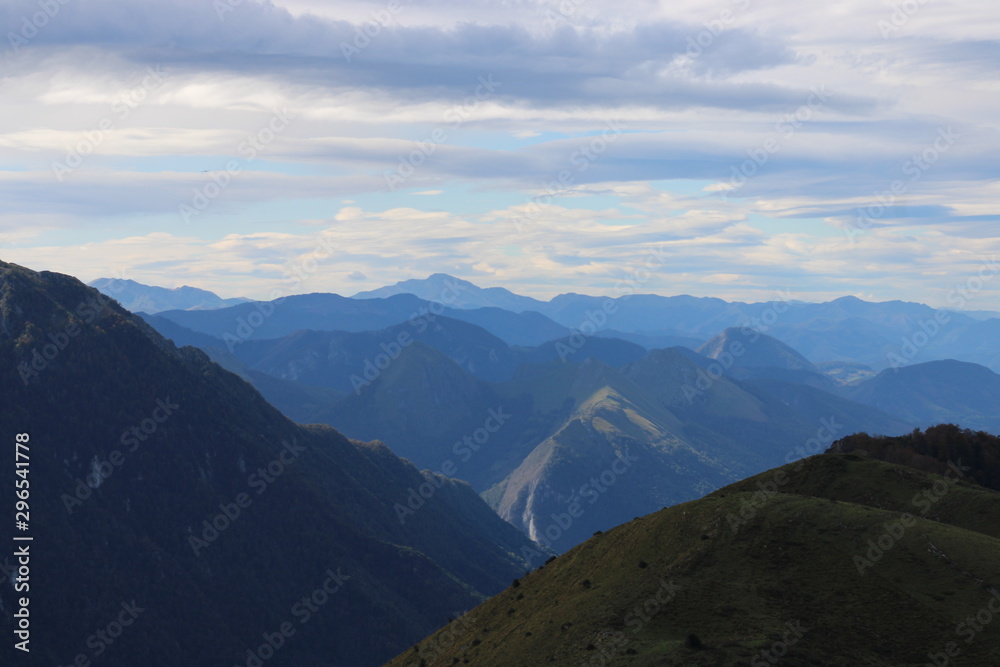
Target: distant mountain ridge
(456, 293)
(570, 421)
(846, 330)
(140, 298)
(929, 393)
(699, 421)
(332, 312)
(748, 354)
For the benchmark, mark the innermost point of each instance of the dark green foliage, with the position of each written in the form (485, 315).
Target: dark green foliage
(933, 450)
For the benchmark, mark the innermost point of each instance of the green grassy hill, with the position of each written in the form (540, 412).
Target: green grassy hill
(830, 561)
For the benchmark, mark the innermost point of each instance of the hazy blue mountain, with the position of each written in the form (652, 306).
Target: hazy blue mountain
(747, 402)
(976, 343)
(612, 453)
(566, 422)
(647, 313)
(682, 432)
(640, 313)
(735, 413)
(424, 406)
(349, 360)
(331, 312)
(527, 328)
(455, 293)
(137, 297)
(181, 335)
(752, 414)
(652, 341)
(843, 330)
(980, 314)
(163, 482)
(849, 329)
(745, 353)
(934, 392)
(346, 361)
(299, 401)
(262, 320)
(814, 405)
(747, 348)
(612, 351)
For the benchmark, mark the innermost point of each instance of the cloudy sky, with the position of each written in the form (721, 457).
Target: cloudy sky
(738, 147)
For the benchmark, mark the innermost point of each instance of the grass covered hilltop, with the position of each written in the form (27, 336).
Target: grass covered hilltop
(840, 559)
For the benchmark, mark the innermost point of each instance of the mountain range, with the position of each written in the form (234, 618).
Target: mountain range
(576, 407)
(423, 377)
(600, 496)
(137, 297)
(845, 330)
(163, 485)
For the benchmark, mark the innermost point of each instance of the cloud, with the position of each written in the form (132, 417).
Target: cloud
(702, 254)
(745, 143)
(581, 65)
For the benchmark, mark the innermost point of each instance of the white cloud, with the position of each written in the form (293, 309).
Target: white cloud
(685, 119)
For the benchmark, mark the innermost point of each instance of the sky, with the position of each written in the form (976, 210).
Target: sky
(729, 148)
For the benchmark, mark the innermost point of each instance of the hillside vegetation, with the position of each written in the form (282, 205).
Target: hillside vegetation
(835, 560)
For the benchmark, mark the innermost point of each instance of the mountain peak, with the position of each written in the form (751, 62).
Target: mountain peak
(455, 293)
(140, 298)
(749, 348)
